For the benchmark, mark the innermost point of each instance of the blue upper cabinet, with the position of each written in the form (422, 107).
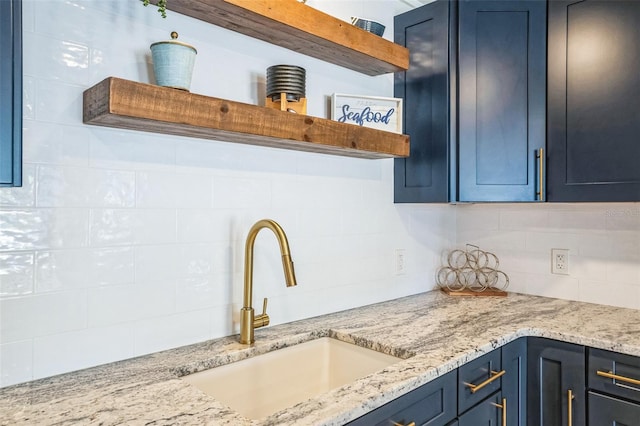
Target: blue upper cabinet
(426, 89)
(474, 101)
(593, 136)
(10, 93)
(501, 102)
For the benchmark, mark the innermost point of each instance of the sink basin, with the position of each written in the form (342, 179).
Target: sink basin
(262, 385)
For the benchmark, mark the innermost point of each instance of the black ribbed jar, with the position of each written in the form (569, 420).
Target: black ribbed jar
(289, 79)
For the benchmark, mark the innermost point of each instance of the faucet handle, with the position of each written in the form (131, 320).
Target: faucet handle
(261, 320)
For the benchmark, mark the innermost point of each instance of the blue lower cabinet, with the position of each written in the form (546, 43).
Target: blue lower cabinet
(514, 381)
(556, 380)
(487, 413)
(609, 411)
(613, 380)
(478, 379)
(433, 404)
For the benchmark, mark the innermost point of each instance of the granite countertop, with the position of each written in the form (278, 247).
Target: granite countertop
(434, 332)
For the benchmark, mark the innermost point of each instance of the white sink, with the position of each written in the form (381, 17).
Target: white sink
(262, 385)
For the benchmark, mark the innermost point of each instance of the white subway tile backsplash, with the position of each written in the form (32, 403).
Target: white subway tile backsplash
(623, 271)
(203, 292)
(603, 242)
(524, 219)
(55, 354)
(69, 269)
(52, 143)
(58, 102)
(155, 226)
(610, 293)
(28, 101)
(41, 315)
(167, 332)
(623, 217)
(156, 262)
(587, 268)
(30, 229)
(625, 244)
(173, 190)
(558, 286)
(23, 196)
(545, 241)
(476, 218)
(131, 150)
(61, 60)
(112, 305)
(574, 220)
(156, 190)
(84, 187)
(112, 227)
(16, 362)
(16, 274)
(241, 193)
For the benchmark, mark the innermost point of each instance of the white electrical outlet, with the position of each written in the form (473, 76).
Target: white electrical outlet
(560, 261)
(401, 261)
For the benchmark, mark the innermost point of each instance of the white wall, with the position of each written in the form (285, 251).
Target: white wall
(603, 241)
(123, 243)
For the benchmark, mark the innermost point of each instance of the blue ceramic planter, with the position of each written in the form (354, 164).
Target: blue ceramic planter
(173, 63)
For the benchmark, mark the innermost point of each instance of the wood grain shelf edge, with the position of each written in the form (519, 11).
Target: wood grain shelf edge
(125, 104)
(303, 29)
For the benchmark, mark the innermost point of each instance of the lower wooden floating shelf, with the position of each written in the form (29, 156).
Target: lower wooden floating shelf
(467, 292)
(125, 104)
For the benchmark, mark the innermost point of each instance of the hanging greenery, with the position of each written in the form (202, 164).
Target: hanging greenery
(162, 6)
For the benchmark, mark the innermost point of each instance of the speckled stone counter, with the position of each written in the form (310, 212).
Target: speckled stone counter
(434, 332)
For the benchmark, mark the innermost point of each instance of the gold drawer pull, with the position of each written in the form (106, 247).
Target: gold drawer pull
(400, 424)
(494, 375)
(610, 375)
(503, 407)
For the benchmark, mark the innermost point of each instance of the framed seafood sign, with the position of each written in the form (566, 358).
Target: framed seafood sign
(368, 111)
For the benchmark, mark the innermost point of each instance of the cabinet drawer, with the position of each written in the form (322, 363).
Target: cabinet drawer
(605, 410)
(488, 412)
(478, 379)
(626, 368)
(433, 404)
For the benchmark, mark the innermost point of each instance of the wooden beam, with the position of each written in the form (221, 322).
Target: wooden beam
(126, 104)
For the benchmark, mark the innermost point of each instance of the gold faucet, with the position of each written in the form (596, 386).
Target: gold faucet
(249, 321)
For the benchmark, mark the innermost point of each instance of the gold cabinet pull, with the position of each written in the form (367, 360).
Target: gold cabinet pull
(610, 375)
(503, 407)
(540, 157)
(494, 375)
(401, 424)
(570, 397)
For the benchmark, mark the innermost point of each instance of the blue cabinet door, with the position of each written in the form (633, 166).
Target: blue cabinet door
(474, 101)
(556, 376)
(425, 90)
(10, 93)
(594, 101)
(432, 404)
(502, 106)
(514, 381)
(486, 413)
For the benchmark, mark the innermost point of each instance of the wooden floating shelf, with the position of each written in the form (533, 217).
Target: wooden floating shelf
(303, 29)
(125, 104)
